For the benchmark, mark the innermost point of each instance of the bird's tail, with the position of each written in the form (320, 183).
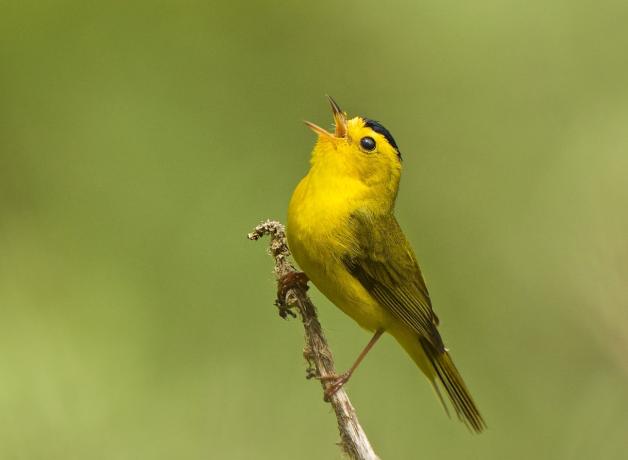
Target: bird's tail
(439, 369)
(444, 368)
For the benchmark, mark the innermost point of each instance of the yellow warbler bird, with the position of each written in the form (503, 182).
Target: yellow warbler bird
(344, 236)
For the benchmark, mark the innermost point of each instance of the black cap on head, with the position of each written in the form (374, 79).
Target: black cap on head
(378, 128)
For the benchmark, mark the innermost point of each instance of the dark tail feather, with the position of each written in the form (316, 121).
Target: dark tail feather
(454, 386)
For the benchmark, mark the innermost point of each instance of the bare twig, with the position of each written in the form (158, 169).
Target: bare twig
(353, 440)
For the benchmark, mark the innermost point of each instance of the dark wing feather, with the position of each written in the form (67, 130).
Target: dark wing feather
(382, 260)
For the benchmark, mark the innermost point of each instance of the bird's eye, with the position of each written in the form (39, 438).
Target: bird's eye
(367, 143)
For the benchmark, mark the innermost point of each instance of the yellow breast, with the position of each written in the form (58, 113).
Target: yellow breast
(319, 235)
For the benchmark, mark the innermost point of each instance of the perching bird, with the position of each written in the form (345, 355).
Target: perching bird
(344, 236)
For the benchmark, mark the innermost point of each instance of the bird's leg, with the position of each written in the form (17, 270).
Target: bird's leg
(289, 281)
(337, 381)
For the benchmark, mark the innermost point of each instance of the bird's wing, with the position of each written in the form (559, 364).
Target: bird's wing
(383, 261)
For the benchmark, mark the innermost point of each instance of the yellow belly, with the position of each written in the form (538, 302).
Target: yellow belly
(317, 237)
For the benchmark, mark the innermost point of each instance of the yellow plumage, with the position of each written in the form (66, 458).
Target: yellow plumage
(344, 236)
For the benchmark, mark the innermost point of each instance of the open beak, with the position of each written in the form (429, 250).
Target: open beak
(340, 121)
(340, 118)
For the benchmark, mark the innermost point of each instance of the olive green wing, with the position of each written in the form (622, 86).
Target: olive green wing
(383, 261)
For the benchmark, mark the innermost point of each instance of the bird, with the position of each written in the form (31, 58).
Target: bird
(343, 234)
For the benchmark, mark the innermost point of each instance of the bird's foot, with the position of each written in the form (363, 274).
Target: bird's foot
(292, 280)
(311, 373)
(334, 383)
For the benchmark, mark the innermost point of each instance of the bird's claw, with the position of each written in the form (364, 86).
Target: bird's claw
(334, 383)
(311, 373)
(292, 280)
(284, 310)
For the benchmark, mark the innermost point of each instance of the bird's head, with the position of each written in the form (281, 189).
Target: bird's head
(359, 148)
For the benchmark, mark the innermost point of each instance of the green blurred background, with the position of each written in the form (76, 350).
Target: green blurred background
(141, 141)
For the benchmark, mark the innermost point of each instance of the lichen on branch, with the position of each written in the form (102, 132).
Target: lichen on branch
(292, 294)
